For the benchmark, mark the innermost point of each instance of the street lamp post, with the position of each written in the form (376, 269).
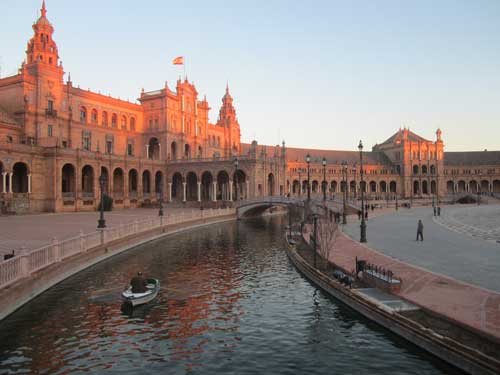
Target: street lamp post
(101, 223)
(324, 180)
(236, 179)
(300, 183)
(363, 222)
(308, 161)
(160, 201)
(344, 181)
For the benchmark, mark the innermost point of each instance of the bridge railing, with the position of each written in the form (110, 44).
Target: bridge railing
(24, 265)
(271, 199)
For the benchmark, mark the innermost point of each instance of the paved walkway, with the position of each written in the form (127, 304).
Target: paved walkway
(443, 251)
(34, 231)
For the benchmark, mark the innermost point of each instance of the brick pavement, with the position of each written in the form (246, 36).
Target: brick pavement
(25, 232)
(460, 301)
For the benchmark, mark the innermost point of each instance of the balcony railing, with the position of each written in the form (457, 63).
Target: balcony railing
(50, 112)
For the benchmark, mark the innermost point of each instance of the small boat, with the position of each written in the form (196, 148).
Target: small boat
(135, 299)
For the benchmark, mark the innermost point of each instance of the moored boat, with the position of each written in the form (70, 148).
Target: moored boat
(135, 299)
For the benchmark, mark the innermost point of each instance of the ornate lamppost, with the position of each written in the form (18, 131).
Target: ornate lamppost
(300, 182)
(361, 172)
(344, 182)
(236, 179)
(308, 161)
(101, 223)
(324, 179)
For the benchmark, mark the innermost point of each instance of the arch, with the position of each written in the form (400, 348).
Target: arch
(83, 114)
(461, 186)
(146, 183)
(393, 186)
(132, 124)
(473, 186)
(94, 116)
(433, 169)
(270, 184)
(133, 178)
(433, 187)
(424, 169)
(173, 150)
(68, 176)
(177, 188)
(450, 187)
(324, 186)
(240, 179)
(485, 186)
(191, 186)
(314, 186)
(207, 181)
(154, 149)
(187, 151)
(333, 186)
(118, 183)
(104, 172)
(88, 181)
(425, 187)
(383, 186)
(373, 187)
(222, 185)
(304, 186)
(362, 186)
(343, 186)
(415, 169)
(496, 186)
(114, 120)
(416, 188)
(124, 122)
(159, 183)
(352, 186)
(295, 187)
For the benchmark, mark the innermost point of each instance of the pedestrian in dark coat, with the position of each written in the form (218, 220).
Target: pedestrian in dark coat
(439, 211)
(434, 210)
(420, 230)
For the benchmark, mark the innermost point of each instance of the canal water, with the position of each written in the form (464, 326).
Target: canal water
(231, 303)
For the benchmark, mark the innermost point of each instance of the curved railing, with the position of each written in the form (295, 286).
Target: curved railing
(22, 266)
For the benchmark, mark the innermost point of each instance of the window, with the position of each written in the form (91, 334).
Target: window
(50, 105)
(124, 123)
(49, 131)
(114, 120)
(93, 116)
(86, 140)
(83, 114)
(64, 144)
(130, 149)
(132, 124)
(105, 118)
(109, 144)
(156, 123)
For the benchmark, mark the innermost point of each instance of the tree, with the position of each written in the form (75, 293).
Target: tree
(327, 234)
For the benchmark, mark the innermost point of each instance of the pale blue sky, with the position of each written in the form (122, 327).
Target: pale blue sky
(320, 74)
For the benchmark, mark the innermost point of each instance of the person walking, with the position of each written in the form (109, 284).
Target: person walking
(434, 210)
(439, 211)
(420, 230)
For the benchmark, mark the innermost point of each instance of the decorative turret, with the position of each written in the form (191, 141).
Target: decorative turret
(227, 120)
(227, 113)
(41, 48)
(438, 135)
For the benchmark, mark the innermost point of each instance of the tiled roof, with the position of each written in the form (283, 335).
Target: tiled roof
(472, 158)
(332, 156)
(398, 136)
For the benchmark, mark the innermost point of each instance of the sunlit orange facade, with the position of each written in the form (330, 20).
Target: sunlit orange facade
(57, 139)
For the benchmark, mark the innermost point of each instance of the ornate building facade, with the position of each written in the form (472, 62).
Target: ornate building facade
(57, 139)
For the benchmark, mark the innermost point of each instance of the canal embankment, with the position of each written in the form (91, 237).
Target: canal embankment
(24, 277)
(470, 349)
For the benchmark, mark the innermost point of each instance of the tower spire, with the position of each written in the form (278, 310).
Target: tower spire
(43, 11)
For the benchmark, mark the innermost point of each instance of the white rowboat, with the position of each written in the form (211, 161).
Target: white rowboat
(135, 299)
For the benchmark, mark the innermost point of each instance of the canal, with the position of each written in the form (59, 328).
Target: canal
(231, 303)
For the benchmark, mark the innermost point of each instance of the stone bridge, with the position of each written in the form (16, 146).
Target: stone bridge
(254, 207)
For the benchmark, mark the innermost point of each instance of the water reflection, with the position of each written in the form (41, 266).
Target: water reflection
(230, 302)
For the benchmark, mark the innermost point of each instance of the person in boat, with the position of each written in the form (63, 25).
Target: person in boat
(138, 283)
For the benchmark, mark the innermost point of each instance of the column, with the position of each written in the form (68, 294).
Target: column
(184, 188)
(199, 191)
(300, 187)
(10, 182)
(147, 152)
(214, 192)
(29, 183)
(247, 189)
(230, 190)
(159, 151)
(4, 182)
(170, 192)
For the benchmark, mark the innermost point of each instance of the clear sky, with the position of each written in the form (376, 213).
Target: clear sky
(319, 74)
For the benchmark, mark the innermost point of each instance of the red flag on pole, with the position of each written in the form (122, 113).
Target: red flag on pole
(178, 60)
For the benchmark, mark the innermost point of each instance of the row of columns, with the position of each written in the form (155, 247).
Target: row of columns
(478, 187)
(9, 186)
(225, 194)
